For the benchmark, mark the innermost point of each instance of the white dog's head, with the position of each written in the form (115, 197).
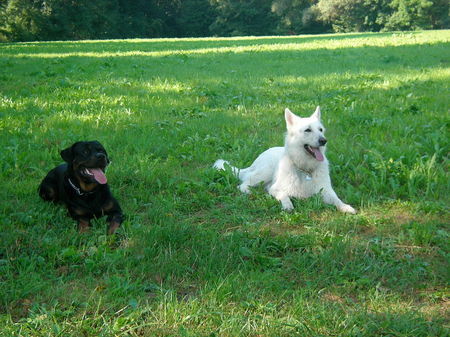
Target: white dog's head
(305, 136)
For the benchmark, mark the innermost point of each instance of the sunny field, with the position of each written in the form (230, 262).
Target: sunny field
(195, 257)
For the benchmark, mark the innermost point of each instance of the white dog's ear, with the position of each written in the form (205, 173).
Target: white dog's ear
(316, 113)
(290, 117)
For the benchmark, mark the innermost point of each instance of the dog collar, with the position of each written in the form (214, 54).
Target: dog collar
(306, 173)
(77, 189)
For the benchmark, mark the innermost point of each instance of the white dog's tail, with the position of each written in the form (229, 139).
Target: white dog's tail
(220, 165)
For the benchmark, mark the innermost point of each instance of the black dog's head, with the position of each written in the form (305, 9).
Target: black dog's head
(87, 161)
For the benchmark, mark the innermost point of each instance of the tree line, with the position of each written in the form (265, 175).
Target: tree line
(34, 20)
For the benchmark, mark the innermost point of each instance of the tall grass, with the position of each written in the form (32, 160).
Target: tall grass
(195, 257)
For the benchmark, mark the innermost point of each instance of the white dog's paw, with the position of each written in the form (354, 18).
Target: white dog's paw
(220, 164)
(244, 188)
(287, 205)
(347, 209)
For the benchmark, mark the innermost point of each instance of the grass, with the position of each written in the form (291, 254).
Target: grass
(195, 257)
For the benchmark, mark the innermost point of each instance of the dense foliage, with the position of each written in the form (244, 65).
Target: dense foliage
(26, 20)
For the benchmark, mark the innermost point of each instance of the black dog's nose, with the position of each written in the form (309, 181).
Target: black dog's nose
(322, 141)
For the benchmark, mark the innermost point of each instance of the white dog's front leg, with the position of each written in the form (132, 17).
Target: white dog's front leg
(244, 188)
(283, 180)
(330, 197)
(346, 208)
(286, 203)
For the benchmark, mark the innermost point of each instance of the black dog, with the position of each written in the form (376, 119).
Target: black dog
(80, 184)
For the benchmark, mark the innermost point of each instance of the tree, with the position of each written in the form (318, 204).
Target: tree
(353, 15)
(298, 16)
(410, 14)
(26, 20)
(137, 18)
(22, 20)
(194, 18)
(440, 14)
(240, 17)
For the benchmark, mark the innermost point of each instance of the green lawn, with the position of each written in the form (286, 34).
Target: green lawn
(195, 257)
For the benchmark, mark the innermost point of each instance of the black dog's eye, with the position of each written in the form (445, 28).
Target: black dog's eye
(86, 152)
(308, 130)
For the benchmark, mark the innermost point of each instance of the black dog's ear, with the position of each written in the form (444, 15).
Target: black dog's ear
(67, 154)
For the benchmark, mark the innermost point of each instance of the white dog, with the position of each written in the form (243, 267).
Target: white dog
(299, 169)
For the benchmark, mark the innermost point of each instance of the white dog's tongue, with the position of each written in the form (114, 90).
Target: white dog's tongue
(317, 153)
(98, 174)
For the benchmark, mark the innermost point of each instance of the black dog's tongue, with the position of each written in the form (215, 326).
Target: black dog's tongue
(98, 174)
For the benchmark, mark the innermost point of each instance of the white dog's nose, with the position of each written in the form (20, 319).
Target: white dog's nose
(322, 141)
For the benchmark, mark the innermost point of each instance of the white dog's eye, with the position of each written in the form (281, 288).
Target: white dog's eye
(320, 129)
(308, 130)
